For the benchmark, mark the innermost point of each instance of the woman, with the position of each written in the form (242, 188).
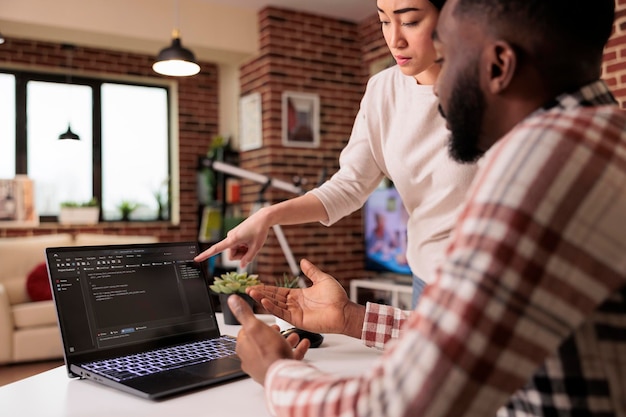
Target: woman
(398, 133)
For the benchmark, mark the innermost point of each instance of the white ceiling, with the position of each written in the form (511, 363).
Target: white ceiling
(352, 10)
(224, 31)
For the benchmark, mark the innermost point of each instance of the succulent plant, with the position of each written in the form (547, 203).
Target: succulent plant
(234, 282)
(287, 281)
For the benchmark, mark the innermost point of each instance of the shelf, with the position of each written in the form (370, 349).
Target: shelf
(382, 284)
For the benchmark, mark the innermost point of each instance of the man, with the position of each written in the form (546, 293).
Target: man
(528, 313)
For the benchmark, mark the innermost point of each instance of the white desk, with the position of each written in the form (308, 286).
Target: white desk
(52, 393)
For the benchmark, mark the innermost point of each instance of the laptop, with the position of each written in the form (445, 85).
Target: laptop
(139, 318)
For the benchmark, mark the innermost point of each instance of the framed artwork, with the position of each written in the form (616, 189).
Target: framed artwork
(251, 122)
(17, 202)
(301, 119)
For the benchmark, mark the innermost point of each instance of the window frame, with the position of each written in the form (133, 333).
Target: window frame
(95, 81)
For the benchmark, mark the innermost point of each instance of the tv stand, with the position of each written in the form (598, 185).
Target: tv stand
(388, 284)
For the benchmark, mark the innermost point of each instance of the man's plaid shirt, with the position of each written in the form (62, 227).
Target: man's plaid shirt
(528, 314)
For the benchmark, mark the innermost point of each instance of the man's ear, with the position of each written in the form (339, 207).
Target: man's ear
(501, 62)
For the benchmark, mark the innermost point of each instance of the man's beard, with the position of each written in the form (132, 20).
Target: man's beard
(465, 113)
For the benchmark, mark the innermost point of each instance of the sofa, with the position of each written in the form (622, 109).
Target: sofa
(28, 323)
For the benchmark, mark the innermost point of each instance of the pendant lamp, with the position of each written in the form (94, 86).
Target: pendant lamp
(69, 134)
(176, 60)
(1, 39)
(68, 80)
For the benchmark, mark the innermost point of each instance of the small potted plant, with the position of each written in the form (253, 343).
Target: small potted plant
(233, 283)
(126, 208)
(287, 281)
(161, 195)
(74, 212)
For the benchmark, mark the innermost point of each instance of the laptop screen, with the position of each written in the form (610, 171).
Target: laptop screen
(116, 296)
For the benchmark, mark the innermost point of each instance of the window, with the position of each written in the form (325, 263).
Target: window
(62, 170)
(134, 145)
(123, 155)
(7, 126)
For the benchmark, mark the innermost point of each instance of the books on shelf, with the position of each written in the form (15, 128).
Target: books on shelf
(17, 202)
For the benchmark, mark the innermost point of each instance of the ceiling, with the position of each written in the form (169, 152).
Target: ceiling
(352, 10)
(143, 25)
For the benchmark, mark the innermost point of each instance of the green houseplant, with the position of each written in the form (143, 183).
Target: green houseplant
(233, 283)
(162, 197)
(126, 208)
(288, 281)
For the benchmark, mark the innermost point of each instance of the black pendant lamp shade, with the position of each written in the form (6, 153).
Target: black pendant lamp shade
(68, 80)
(176, 60)
(69, 134)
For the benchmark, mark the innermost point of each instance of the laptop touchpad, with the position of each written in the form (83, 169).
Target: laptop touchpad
(215, 368)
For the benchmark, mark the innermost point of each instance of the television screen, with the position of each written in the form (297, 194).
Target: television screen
(385, 224)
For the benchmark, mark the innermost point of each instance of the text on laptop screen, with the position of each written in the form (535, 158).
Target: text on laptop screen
(115, 296)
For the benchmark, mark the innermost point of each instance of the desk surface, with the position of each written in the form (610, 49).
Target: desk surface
(52, 393)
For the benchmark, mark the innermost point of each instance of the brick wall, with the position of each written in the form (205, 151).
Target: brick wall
(614, 67)
(198, 120)
(306, 53)
(373, 45)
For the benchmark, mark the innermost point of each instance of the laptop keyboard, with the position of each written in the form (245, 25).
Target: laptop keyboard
(141, 364)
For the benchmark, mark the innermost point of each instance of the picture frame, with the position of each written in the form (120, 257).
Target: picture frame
(300, 119)
(17, 203)
(250, 122)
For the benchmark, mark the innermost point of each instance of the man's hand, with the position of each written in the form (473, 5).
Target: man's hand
(259, 345)
(322, 308)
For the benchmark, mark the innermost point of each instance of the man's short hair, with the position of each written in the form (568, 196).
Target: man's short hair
(583, 27)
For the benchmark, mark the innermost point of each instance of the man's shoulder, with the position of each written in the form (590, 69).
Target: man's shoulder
(587, 112)
(555, 139)
(596, 122)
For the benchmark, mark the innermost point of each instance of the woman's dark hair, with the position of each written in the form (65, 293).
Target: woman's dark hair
(438, 3)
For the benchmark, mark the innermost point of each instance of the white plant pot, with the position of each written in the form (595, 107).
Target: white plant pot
(79, 215)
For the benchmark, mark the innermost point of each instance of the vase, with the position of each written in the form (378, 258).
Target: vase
(229, 317)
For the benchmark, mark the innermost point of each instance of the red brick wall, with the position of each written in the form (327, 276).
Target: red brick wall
(198, 120)
(306, 53)
(614, 68)
(373, 45)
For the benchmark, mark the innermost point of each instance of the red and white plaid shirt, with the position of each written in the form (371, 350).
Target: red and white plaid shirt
(528, 313)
